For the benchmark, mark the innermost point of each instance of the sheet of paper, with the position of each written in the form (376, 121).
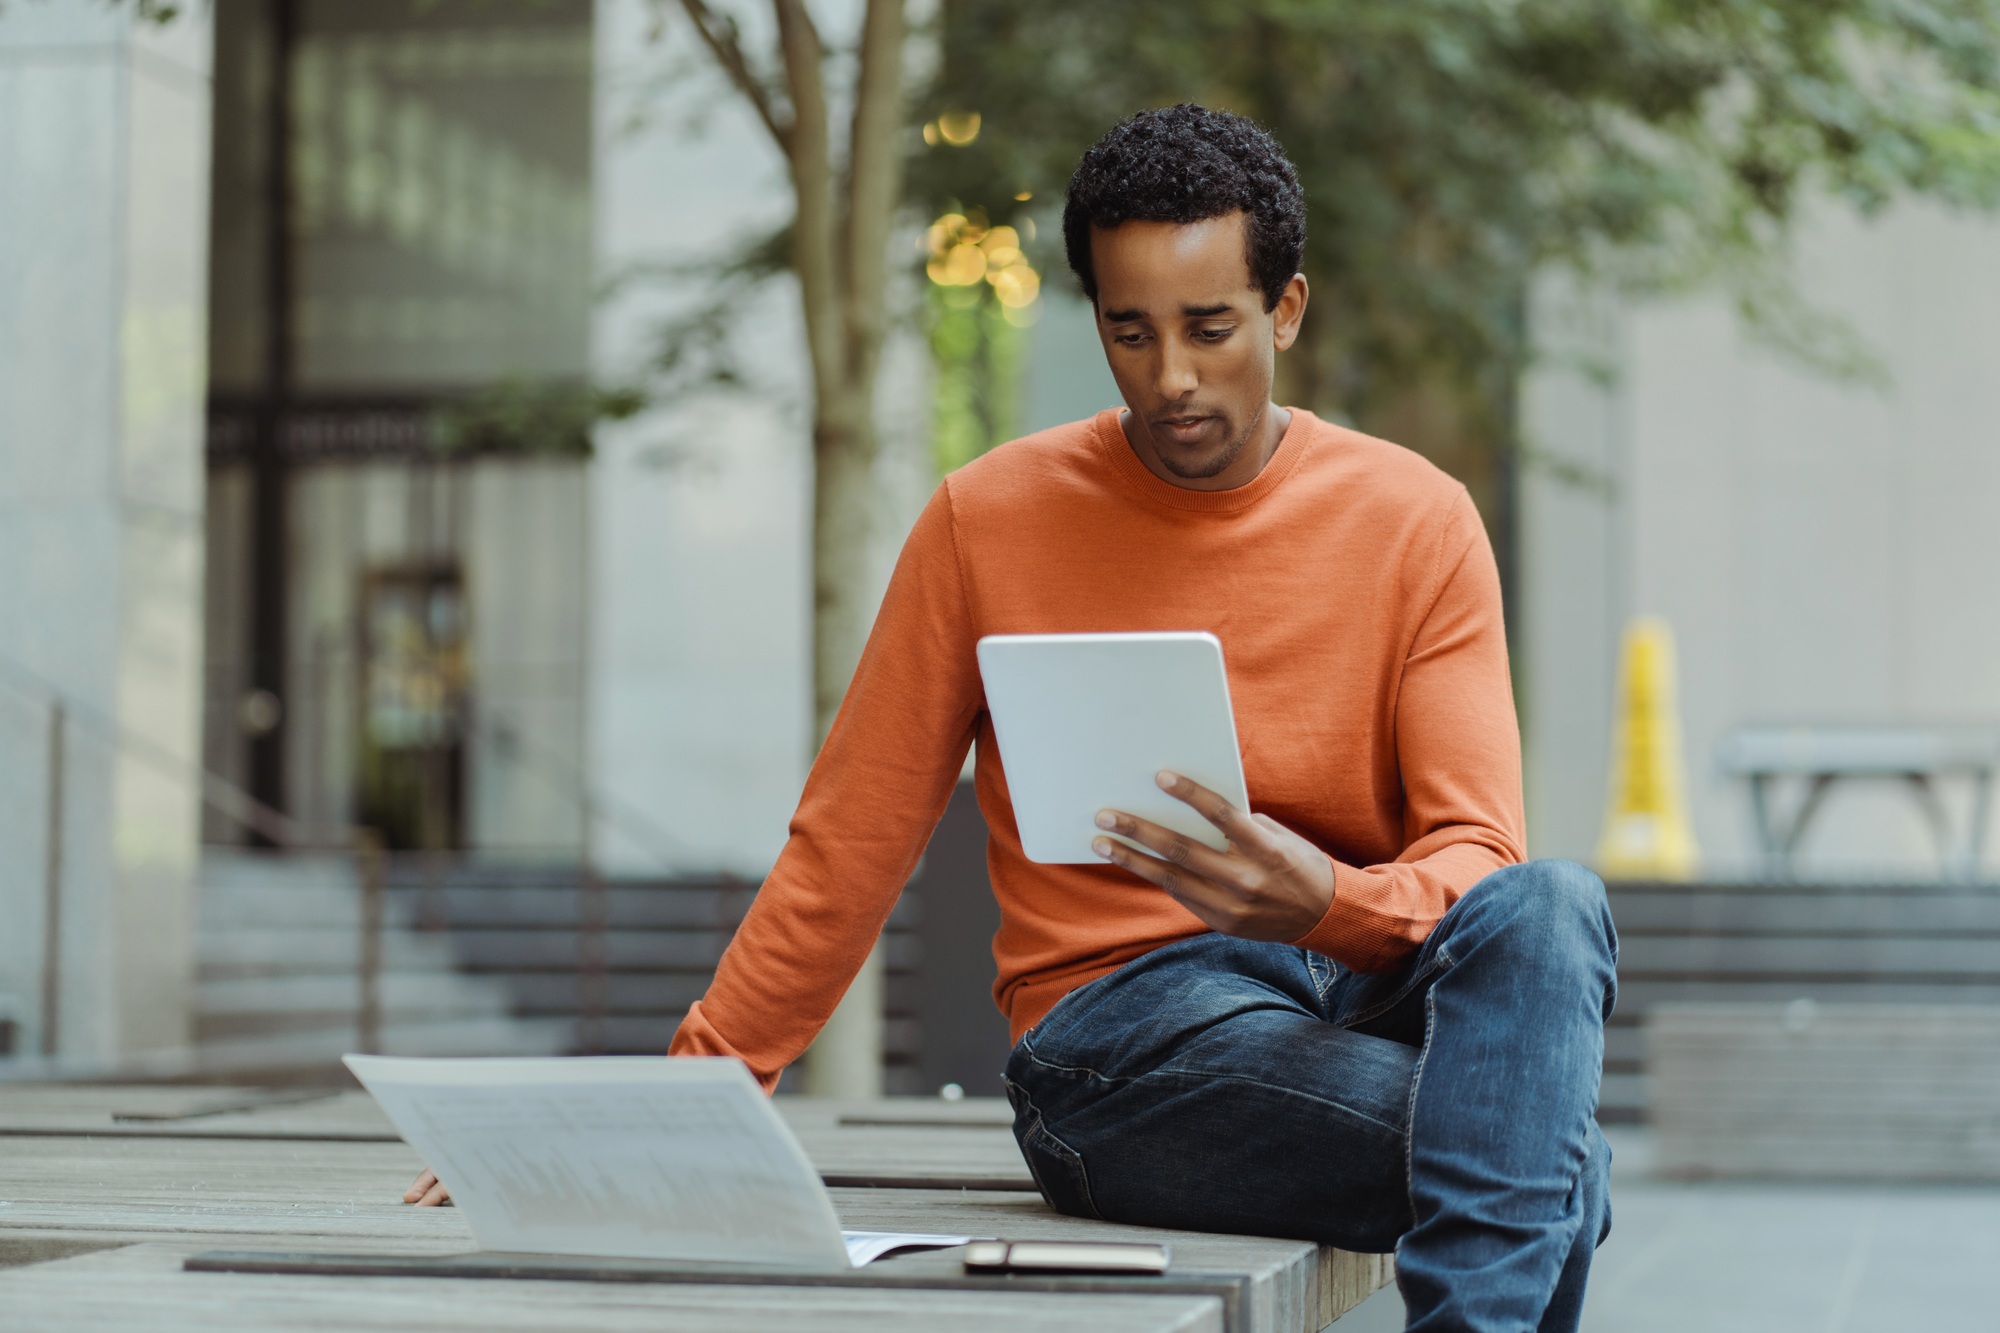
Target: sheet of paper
(644, 1157)
(865, 1247)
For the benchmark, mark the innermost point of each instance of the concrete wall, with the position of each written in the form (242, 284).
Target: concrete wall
(1824, 551)
(700, 727)
(104, 139)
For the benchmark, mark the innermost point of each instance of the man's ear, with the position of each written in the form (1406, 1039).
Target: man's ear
(1289, 313)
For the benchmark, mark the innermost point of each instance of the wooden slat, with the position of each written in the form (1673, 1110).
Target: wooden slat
(145, 1286)
(917, 1276)
(963, 1148)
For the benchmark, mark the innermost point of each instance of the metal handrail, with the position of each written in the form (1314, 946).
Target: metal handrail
(220, 794)
(365, 844)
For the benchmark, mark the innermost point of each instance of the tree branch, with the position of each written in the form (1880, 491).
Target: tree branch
(718, 33)
(874, 182)
(814, 253)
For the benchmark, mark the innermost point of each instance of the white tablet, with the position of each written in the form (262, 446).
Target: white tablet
(1085, 721)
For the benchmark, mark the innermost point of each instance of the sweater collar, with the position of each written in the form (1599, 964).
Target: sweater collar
(1137, 477)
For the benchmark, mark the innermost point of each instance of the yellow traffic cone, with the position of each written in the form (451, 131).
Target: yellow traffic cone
(1646, 834)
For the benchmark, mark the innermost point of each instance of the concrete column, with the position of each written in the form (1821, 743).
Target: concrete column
(104, 142)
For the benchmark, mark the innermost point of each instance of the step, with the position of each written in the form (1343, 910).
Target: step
(242, 950)
(444, 992)
(1833, 957)
(448, 1037)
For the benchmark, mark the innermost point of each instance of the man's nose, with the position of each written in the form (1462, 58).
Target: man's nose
(1175, 376)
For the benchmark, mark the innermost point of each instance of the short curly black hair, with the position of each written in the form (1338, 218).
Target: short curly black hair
(1187, 163)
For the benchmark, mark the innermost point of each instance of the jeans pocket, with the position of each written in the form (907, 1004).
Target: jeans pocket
(1058, 1171)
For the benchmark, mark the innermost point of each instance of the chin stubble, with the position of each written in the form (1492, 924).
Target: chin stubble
(1214, 465)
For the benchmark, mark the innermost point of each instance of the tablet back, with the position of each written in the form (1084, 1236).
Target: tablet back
(1085, 721)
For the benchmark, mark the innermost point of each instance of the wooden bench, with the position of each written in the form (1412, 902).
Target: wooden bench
(257, 1179)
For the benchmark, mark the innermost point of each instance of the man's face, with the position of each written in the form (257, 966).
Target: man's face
(1190, 343)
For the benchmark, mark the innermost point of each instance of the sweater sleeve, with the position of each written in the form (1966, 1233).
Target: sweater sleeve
(873, 797)
(1458, 748)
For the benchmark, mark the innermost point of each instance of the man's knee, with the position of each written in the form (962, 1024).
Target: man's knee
(1553, 892)
(1555, 904)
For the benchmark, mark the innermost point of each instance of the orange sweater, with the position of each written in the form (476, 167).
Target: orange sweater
(1358, 606)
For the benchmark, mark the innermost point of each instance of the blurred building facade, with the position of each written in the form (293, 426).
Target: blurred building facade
(306, 308)
(401, 217)
(303, 308)
(1820, 545)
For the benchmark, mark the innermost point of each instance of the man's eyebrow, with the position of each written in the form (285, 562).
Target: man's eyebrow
(1187, 311)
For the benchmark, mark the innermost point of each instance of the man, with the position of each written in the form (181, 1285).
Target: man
(1365, 1023)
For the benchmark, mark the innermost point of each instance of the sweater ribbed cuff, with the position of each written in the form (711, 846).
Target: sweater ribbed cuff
(1352, 932)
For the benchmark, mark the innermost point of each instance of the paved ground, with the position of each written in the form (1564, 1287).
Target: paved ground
(1768, 1258)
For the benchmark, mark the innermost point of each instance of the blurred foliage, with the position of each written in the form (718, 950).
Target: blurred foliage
(1451, 148)
(982, 293)
(695, 348)
(977, 353)
(532, 417)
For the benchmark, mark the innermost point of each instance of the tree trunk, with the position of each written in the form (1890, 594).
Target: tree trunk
(840, 239)
(842, 263)
(843, 521)
(846, 1059)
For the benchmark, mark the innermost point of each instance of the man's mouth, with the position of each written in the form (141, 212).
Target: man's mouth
(1182, 429)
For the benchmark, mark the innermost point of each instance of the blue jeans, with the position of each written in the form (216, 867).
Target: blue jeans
(1446, 1111)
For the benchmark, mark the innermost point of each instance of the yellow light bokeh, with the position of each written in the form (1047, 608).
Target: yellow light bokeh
(958, 128)
(962, 266)
(964, 251)
(1017, 286)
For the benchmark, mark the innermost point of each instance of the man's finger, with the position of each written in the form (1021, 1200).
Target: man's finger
(425, 1182)
(1216, 809)
(1207, 900)
(436, 1196)
(1174, 848)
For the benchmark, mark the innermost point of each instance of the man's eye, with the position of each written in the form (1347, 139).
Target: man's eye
(1128, 339)
(1213, 335)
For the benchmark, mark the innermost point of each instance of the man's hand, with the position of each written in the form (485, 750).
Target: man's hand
(428, 1192)
(1270, 884)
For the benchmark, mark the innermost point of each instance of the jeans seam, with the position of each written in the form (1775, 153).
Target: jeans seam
(1085, 1070)
(1074, 1160)
(1321, 985)
(1038, 1129)
(1206, 1077)
(1416, 1083)
(1440, 961)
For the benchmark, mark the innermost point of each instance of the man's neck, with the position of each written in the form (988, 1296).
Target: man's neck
(1266, 434)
